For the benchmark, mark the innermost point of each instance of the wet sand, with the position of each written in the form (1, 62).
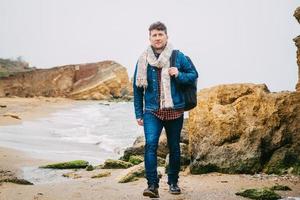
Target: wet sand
(208, 186)
(15, 110)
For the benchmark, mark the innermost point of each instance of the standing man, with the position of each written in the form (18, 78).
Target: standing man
(159, 103)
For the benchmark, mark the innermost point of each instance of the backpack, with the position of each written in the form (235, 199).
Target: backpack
(189, 90)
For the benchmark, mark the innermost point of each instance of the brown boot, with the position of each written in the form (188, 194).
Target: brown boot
(151, 191)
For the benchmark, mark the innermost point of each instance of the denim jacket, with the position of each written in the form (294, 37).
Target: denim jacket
(148, 99)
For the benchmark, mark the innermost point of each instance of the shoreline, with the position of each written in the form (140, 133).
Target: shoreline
(13, 160)
(206, 186)
(29, 108)
(26, 109)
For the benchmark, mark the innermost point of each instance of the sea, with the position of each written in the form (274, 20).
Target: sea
(89, 130)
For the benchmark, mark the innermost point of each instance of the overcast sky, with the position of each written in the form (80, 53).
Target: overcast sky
(230, 41)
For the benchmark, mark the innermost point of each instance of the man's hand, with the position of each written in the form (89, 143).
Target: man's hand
(173, 71)
(140, 122)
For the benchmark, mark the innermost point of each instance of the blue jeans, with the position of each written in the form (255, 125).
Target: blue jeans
(152, 129)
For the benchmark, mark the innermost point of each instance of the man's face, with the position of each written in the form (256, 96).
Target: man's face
(158, 39)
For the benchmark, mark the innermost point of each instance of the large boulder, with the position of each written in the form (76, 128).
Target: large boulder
(243, 128)
(100, 81)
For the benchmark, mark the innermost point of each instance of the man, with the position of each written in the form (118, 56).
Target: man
(159, 104)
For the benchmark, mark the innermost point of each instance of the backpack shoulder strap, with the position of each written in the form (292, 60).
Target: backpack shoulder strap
(173, 58)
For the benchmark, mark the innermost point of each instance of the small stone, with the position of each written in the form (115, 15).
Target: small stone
(71, 175)
(89, 168)
(102, 174)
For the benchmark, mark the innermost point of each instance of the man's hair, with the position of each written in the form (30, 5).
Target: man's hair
(158, 26)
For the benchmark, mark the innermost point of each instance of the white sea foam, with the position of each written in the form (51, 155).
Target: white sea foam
(88, 131)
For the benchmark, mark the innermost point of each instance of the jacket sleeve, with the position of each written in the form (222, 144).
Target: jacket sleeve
(138, 96)
(186, 75)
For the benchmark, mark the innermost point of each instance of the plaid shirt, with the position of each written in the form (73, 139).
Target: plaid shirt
(166, 113)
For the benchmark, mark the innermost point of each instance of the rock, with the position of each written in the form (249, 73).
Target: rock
(265, 194)
(243, 128)
(95, 81)
(133, 173)
(99, 166)
(3, 106)
(281, 187)
(89, 168)
(297, 42)
(140, 139)
(184, 136)
(297, 14)
(76, 164)
(184, 154)
(137, 149)
(116, 164)
(72, 175)
(102, 174)
(184, 158)
(284, 160)
(161, 161)
(12, 115)
(16, 181)
(136, 159)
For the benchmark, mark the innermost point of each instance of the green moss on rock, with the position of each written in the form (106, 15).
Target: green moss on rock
(259, 194)
(116, 164)
(17, 181)
(283, 162)
(133, 176)
(296, 169)
(203, 169)
(136, 159)
(251, 166)
(89, 168)
(281, 187)
(76, 164)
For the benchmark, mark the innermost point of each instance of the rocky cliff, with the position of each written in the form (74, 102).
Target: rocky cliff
(9, 67)
(297, 42)
(244, 128)
(102, 80)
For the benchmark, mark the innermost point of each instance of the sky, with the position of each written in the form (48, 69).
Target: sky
(229, 41)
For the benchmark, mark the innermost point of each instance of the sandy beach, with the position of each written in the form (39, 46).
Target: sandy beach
(208, 186)
(14, 110)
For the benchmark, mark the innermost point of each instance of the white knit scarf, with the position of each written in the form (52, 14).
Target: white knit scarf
(163, 62)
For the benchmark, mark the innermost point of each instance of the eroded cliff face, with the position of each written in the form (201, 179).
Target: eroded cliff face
(243, 128)
(297, 42)
(102, 81)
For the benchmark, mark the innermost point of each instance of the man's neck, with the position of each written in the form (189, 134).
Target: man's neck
(158, 51)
